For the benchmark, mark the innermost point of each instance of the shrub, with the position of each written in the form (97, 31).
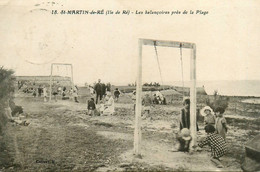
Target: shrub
(6, 92)
(219, 101)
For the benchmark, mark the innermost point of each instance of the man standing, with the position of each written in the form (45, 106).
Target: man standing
(98, 90)
(103, 88)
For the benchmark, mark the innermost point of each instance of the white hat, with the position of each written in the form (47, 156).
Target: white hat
(185, 134)
(202, 111)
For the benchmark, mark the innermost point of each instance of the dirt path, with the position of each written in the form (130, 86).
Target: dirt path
(61, 137)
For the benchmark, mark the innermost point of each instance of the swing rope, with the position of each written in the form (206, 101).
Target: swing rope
(182, 77)
(67, 71)
(182, 70)
(156, 53)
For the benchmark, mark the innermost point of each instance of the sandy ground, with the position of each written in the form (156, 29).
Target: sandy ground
(61, 137)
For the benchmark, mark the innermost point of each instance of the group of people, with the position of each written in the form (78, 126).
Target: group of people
(105, 106)
(104, 103)
(37, 92)
(72, 93)
(101, 89)
(148, 102)
(215, 127)
(159, 98)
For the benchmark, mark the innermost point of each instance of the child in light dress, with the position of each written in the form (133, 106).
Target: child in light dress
(209, 117)
(221, 123)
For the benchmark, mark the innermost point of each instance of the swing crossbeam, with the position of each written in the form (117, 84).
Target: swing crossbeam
(175, 44)
(161, 43)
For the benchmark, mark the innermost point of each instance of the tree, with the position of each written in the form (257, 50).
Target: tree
(6, 83)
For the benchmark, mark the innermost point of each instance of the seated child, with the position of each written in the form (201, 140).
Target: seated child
(91, 107)
(209, 117)
(184, 140)
(221, 123)
(217, 144)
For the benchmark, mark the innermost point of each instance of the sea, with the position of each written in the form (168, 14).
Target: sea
(228, 88)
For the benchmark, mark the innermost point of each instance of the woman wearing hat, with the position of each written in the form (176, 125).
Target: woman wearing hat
(209, 117)
(109, 105)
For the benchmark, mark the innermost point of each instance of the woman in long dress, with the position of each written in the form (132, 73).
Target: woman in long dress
(109, 107)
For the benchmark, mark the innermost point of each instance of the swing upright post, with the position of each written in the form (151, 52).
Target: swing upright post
(51, 82)
(138, 107)
(175, 44)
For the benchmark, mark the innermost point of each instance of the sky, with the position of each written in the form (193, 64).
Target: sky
(106, 46)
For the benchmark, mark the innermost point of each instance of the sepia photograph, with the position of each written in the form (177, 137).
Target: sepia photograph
(122, 85)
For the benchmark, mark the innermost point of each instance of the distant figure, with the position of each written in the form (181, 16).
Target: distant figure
(109, 107)
(75, 94)
(64, 92)
(116, 94)
(44, 94)
(34, 92)
(147, 102)
(134, 98)
(98, 90)
(91, 107)
(59, 90)
(71, 94)
(159, 94)
(221, 123)
(155, 99)
(39, 91)
(217, 144)
(209, 117)
(91, 90)
(55, 93)
(101, 107)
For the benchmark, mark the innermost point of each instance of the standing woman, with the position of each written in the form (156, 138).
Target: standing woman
(109, 105)
(185, 115)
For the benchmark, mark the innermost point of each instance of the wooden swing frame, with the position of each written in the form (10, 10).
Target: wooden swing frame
(60, 64)
(138, 109)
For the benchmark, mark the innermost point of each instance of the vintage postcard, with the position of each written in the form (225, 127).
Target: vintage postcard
(122, 85)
